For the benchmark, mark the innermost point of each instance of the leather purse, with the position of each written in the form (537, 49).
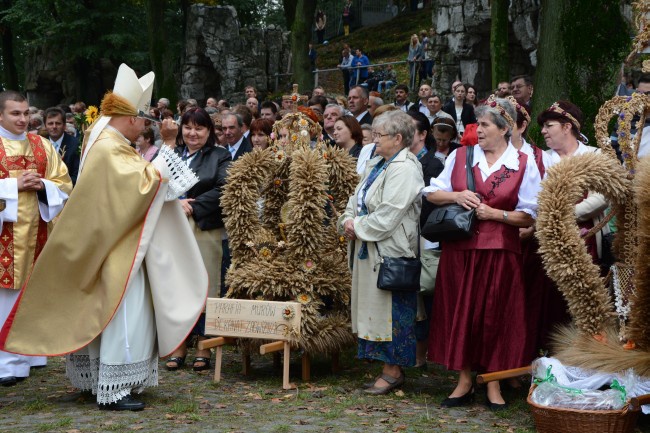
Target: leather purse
(453, 222)
(399, 274)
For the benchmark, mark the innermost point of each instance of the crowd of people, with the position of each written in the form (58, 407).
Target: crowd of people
(478, 309)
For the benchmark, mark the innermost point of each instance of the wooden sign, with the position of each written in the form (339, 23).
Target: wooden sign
(270, 320)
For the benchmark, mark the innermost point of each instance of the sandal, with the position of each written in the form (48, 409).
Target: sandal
(205, 363)
(178, 362)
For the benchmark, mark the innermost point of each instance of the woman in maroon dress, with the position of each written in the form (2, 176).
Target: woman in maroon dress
(478, 321)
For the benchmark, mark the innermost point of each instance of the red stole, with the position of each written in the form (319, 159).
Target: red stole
(500, 191)
(20, 162)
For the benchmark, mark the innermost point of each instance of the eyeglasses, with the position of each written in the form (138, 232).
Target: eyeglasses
(548, 125)
(376, 135)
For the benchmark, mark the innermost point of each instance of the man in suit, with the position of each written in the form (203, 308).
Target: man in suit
(65, 144)
(333, 112)
(401, 98)
(423, 94)
(358, 104)
(233, 135)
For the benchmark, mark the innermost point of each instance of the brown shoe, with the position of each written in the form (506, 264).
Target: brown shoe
(393, 382)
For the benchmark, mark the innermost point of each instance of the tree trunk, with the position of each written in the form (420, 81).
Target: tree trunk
(549, 82)
(164, 86)
(300, 39)
(10, 74)
(290, 11)
(499, 42)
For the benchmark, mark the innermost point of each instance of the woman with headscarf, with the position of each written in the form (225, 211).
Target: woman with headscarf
(545, 305)
(478, 320)
(561, 124)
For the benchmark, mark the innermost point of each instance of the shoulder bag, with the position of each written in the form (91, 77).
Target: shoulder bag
(453, 222)
(399, 274)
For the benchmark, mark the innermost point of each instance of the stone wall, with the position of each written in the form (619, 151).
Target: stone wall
(221, 59)
(462, 43)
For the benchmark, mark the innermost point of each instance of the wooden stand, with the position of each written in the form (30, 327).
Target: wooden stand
(505, 374)
(277, 346)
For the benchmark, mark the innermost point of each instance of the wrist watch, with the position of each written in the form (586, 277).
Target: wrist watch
(505, 216)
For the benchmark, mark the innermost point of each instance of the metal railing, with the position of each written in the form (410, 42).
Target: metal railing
(358, 69)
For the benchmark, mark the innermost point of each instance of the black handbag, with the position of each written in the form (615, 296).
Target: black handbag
(452, 222)
(399, 274)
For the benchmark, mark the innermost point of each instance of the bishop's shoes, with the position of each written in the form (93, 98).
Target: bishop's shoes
(125, 403)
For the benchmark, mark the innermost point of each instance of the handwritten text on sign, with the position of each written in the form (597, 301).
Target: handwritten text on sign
(252, 319)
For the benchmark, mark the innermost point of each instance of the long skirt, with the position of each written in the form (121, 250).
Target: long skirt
(478, 319)
(400, 351)
(545, 306)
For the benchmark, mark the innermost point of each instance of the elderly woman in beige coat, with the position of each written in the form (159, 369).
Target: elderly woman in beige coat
(382, 218)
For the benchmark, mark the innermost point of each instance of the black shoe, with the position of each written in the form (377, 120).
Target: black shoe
(495, 407)
(125, 403)
(463, 400)
(8, 381)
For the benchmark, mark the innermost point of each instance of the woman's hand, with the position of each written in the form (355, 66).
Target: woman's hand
(187, 206)
(468, 199)
(169, 131)
(348, 228)
(485, 212)
(526, 232)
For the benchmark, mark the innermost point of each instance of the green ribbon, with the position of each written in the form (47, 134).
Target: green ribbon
(550, 378)
(617, 386)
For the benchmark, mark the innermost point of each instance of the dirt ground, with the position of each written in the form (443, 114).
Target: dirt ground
(186, 401)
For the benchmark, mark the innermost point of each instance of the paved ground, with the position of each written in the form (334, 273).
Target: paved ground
(190, 402)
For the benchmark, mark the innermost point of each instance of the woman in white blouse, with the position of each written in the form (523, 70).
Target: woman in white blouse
(478, 320)
(561, 124)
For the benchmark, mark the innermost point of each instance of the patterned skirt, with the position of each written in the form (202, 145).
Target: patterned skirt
(400, 351)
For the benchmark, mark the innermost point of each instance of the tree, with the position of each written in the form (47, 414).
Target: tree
(499, 41)
(10, 75)
(579, 62)
(303, 20)
(161, 53)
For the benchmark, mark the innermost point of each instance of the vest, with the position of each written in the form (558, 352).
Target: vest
(500, 191)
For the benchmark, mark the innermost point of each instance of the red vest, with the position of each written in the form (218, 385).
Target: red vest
(499, 191)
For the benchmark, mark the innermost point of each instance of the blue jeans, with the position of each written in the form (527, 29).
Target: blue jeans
(388, 84)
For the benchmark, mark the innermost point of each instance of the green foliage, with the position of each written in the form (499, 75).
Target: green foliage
(258, 13)
(594, 54)
(82, 29)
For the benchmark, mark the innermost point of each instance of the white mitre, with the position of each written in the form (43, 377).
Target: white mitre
(137, 91)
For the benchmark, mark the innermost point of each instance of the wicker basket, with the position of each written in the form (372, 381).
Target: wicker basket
(563, 420)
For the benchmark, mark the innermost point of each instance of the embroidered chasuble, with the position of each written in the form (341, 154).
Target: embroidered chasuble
(22, 240)
(116, 221)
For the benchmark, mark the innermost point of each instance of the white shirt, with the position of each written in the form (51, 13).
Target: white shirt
(423, 108)
(364, 157)
(553, 157)
(9, 192)
(530, 185)
(527, 148)
(235, 147)
(439, 114)
(360, 116)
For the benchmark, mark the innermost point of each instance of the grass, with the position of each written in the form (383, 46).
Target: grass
(181, 407)
(60, 423)
(390, 47)
(37, 405)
